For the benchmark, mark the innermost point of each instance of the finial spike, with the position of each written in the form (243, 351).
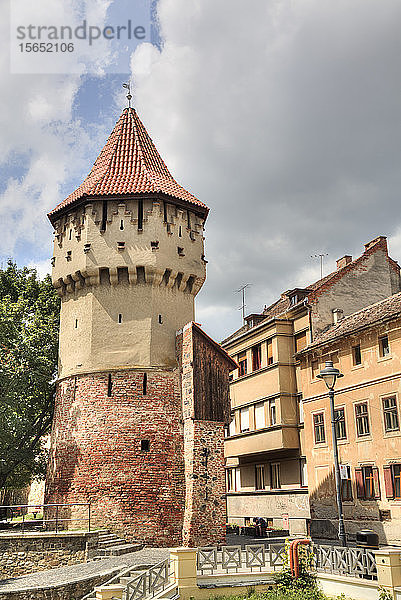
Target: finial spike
(127, 86)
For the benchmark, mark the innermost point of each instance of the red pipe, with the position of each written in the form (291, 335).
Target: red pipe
(294, 558)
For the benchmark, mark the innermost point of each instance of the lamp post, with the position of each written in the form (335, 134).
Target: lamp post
(330, 375)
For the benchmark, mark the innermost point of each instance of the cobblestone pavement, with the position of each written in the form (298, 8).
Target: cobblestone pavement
(61, 575)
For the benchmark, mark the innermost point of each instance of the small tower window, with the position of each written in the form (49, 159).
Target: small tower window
(120, 318)
(180, 251)
(70, 236)
(180, 231)
(109, 386)
(53, 261)
(160, 319)
(69, 255)
(121, 225)
(145, 384)
(104, 216)
(140, 215)
(145, 445)
(76, 323)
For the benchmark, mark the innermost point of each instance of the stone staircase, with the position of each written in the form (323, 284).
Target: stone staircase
(111, 545)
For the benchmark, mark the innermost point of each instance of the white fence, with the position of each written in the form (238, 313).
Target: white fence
(354, 562)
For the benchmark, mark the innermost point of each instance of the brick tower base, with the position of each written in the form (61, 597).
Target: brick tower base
(121, 450)
(145, 448)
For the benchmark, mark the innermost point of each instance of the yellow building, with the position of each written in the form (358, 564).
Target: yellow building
(366, 347)
(265, 448)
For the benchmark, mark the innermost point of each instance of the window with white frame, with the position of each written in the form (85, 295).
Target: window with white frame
(303, 472)
(260, 477)
(232, 427)
(244, 419)
(390, 414)
(275, 482)
(272, 412)
(260, 420)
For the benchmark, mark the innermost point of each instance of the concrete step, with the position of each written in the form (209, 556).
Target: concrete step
(110, 543)
(107, 536)
(119, 550)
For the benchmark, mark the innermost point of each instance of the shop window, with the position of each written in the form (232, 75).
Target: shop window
(339, 417)
(390, 414)
(362, 419)
(367, 482)
(318, 426)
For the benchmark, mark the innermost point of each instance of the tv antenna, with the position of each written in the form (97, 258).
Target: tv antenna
(243, 305)
(321, 256)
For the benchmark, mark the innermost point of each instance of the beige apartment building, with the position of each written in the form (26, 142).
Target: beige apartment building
(366, 347)
(265, 449)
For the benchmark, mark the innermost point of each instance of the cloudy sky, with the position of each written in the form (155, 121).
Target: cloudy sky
(282, 116)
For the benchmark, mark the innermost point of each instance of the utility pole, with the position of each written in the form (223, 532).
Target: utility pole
(243, 305)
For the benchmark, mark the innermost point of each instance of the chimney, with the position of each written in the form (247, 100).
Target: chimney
(343, 261)
(338, 314)
(381, 239)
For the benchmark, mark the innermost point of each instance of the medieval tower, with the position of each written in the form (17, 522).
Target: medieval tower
(142, 392)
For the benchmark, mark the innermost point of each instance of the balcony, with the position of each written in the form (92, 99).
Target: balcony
(271, 439)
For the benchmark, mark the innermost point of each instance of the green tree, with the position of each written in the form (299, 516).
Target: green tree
(29, 323)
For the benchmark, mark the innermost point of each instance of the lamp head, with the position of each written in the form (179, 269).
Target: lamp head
(330, 375)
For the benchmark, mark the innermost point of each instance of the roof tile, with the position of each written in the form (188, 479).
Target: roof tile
(129, 163)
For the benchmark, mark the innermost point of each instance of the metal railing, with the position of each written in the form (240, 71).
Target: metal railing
(355, 562)
(230, 559)
(352, 562)
(53, 516)
(151, 582)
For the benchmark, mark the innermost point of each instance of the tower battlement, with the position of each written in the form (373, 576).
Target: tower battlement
(135, 241)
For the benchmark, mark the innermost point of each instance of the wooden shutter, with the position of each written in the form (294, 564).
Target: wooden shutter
(376, 480)
(388, 481)
(360, 488)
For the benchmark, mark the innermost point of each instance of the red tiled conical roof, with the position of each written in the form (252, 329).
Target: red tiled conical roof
(128, 164)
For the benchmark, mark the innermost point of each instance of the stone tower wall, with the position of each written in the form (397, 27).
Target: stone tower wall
(127, 284)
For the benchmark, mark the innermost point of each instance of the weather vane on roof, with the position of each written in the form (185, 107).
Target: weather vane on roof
(127, 86)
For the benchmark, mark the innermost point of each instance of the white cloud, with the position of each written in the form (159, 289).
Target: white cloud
(38, 133)
(283, 117)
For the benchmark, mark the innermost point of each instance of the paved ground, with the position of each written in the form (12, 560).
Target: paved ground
(147, 556)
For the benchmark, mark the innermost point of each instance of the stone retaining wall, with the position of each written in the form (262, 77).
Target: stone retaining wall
(67, 591)
(25, 553)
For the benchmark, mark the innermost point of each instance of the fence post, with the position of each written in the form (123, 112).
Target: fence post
(107, 592)
(388, 564)
(183, 562)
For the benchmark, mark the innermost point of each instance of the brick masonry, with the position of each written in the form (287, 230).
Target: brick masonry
(96, 453)
(171, 493)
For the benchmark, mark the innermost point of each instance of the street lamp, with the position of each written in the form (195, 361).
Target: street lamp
(330, 375)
